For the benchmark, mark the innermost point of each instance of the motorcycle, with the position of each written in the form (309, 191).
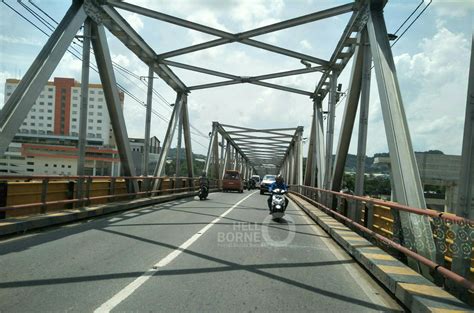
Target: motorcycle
(278, 206)
(251, 184)
(203, 192)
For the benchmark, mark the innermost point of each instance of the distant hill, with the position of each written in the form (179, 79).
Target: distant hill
(182, 155)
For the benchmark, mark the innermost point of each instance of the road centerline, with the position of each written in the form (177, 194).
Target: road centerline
(130, 288)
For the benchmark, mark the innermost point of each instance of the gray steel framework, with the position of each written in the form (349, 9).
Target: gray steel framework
(255, 150)
(245, 148)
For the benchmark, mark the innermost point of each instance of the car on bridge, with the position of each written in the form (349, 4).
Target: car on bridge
(232, 181)
(256, 178)
(266, 182)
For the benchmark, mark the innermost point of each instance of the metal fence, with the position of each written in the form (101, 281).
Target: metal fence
(375, 219)
(30, 195)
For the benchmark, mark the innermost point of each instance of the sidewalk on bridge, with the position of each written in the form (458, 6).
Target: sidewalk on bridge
(417, 293)
(11, 226)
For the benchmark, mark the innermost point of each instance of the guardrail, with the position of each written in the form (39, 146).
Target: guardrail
(377, 221)
(30, 195)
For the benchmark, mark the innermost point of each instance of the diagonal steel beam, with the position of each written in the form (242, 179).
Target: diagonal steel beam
(229, 37)
(120, 28)
(24, 96)
(345, 8)
(107, 77)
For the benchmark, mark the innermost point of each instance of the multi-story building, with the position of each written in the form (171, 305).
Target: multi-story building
(46, 142)
(57, 111)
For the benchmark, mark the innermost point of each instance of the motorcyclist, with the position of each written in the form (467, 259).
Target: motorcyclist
(203, 180)
(279, 183)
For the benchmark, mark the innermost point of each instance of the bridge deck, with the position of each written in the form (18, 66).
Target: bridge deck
(231, 266)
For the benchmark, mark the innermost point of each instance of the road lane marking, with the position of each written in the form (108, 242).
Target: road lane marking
(130, 288)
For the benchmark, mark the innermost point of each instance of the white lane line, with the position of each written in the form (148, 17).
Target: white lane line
(130, 288)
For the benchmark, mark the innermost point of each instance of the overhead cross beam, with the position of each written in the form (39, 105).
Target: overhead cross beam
(257, 147)
(244, 37)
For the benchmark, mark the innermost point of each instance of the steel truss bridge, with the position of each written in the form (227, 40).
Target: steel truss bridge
(419, 237)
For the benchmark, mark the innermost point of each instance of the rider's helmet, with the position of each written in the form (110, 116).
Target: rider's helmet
(279, 179)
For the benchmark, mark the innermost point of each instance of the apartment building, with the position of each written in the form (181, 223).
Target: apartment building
(46, 142)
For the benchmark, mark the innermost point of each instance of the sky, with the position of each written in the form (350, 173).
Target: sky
(432, 62)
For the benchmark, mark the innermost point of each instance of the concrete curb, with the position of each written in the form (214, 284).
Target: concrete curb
(19, 225)
(413, 290)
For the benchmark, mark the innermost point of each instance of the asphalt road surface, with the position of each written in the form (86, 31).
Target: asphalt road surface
(224, 254)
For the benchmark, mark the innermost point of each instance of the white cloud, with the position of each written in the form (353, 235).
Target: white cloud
(135, 21)
(306, 45)
(453, 8)
(19, 40)
(434, 83)
(251, 14)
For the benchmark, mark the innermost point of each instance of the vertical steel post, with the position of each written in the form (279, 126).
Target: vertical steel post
(210, 149)
(363, 121)
(149, 104)
(319, 151)
(465, 206)
(310, 173)
(215, 152)
(299, 169)
(350, 111)
(178, 145)
(187, 138)
(330, 128)
(226, 159)
(111, 93)
(86, 46)
(168, 139)
(417, 234)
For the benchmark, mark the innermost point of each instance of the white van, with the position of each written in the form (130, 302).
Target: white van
(256, 178)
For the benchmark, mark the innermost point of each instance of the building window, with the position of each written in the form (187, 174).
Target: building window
(54, 165)
(46, 165)
(50, 111)
(91, 106)
(100, 100)
(99, 121)
(49, 125)
(74, 90)
(69, 166)
(41, 110)
(74, 119)
(32, 124)
(41, 96)
(74, 112)
(99, 135)
(50, 97)
(91, 113)
(33, 117)
(50, 104)
(74, 105)
(49, 118)
(42, 103)
(40, 124)
(100, 92)
(30, 163)
(91, 92)
(91, 99)
(90, 127)
(90, 120)
(29, 170)
(41, 117)
(73, 126)
(99, 113)
(99, 128)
